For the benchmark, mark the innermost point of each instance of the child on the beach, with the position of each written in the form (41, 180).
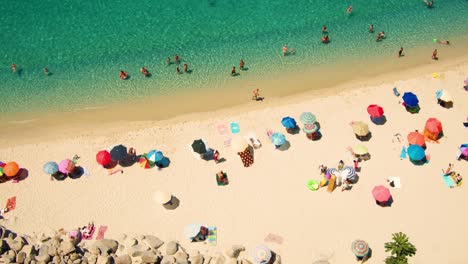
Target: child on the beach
(216, 156)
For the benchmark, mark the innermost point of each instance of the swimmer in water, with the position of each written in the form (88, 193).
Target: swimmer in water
(176, 59)
(233, 71)
(145, 71)
(241, 64)
(446, 42)
(324, 29)
(349, 10)
(168, 61)
(185, 67)
(13, 68)
(46, 71)
(123, 75)
(178, 69)
(285, 50)
(325, 39)
(371, 28)
(429, 4)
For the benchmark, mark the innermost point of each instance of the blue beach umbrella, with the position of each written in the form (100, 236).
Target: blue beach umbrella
(308, 118)
(155, 156)
(410, 99)
(50, 167)
(416, 153)
(288, 122)
(278, 139)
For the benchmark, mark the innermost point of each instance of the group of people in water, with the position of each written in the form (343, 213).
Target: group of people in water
(124, 75)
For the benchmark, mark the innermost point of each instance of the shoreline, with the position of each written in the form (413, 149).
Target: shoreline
(313, 82)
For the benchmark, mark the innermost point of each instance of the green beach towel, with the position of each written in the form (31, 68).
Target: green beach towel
(212, 235)
(222, 183)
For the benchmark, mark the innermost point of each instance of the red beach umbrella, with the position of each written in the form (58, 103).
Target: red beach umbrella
(381, 194)
(103, 157)
(416, 138)
(375, 110)
(433, 128)
(11, 169)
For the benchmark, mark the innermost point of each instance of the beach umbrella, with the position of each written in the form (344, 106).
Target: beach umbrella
(50, 167)
(360, 150)
(199, 146)
(360, 248)
(144, 162)
(443, 95)
(1, 171)
(155, 156)
(433, 126)
(310, 128)
(66, 166)
(375, 110)
(348, 173)
(464, 149)
(308, 118)
(162, 197)
(118, 153)
(239, 144)
(103, 157)
(410, 99)
(277, 139)
(381, 194)
(360, 128)
(416, 138)
(192, 230)
(416, 152)
(11, 169)
(261, 254)
(288, 122)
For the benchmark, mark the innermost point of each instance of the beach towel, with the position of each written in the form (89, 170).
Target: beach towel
(403, 153)
(448, 180)
(91, 233)
(246, 157)
(235, 128)
(101, 232)
(227, 142)
(395, 92)
(222, 183)
(222, 129)
(331, 183)
(212, 235)
(11, 203)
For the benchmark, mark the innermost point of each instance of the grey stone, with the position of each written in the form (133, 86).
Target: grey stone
(74, 256)
(140, 237)
(196, 259)
(44, 250)
(43, 258)
(234, 251)
(171, 248)
(220, 259)
(9, 256)
(124, 259)
(77, 261)
(232, 261)
(92, 259)
(153, 241)
(67, 247)
(181, 257)
(20, 257)
(207, 260)
(137, 250)
(149, 257)
(103, 260)
(29, 250)
(168, 260)
(94, 250)
(56, 259)
(122, 237)
(107, 245)
(132, 242)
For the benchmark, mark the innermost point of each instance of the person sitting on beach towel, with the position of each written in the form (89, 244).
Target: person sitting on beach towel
(87, 231)
(222, 179)
(202, 234)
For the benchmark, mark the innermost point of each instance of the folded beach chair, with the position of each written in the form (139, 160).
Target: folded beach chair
(212, 235)
(252, 138)
(331, 183)
(395, 92)
(235, 128)
(101, 232)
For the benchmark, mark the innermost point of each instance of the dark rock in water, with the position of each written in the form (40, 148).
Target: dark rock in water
(153, 241)
(125, 259)
(171, 248)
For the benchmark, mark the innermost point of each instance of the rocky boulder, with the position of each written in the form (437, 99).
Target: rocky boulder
(234, 251)
(172, 247)
(20, 257)
(181, 257)
(137, 250)
(149, 257)
(67, 247)
(153, 242)
(168, 260)
(124, 259)
(107, 245)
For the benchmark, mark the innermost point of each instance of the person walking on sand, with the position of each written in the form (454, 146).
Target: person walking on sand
(434, 55)
(400, 52)
(448, 170)
(356, 164)
(371, 28)
(324, 29)
(241, 64)
(13, 68)
(233, 71)
(256, 94)
(123, 75)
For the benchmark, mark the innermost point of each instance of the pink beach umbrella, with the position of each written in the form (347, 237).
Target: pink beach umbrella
(375, 110)
(381, 194)
(66, 166)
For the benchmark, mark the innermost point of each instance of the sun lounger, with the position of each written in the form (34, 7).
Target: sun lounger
(252, 138)
(101, 232)
(235, 128)
(331, 183)
(212, 235)
(395, 92)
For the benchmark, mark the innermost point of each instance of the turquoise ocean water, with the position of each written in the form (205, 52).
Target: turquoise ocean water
(85, 43)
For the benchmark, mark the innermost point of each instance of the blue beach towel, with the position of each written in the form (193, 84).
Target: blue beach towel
(448, 181)
(395, 92)
(403, 153)
(235, 128)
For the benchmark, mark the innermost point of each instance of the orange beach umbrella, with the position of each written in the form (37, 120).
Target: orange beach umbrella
(416, 138)
(11, 169)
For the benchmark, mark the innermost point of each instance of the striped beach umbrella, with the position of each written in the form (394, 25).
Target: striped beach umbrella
(310, 128)
(261, 254)
(144, 162)
(360, 248)
(50, 167)
(348, 173)
(308, 118)
(277, 139)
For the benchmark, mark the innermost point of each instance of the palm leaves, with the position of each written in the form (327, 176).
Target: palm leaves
(400, 249)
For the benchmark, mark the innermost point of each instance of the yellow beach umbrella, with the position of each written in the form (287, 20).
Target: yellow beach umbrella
(239, 144)
(360, 128)
(360, 150)
(162, 197)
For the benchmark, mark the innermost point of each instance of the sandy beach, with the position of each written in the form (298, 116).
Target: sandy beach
(271, 196)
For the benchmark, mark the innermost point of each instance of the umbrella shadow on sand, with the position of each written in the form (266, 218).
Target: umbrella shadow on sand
(76, 173)
(129, 160)
(364, 138)
(164, 163)
(172, 204)
(379, 120)
(286, 145)
(22, 175)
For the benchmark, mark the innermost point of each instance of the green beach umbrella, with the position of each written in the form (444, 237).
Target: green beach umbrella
(308, 118)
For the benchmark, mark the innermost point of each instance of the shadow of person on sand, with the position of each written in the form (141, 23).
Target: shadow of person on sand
(164, 163)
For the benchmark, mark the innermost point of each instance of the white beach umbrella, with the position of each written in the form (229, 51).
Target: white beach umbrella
(162, 197)
(444, 95)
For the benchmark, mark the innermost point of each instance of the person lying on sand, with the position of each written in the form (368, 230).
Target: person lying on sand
(446, 42)
(448, 170)
(3, 210)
